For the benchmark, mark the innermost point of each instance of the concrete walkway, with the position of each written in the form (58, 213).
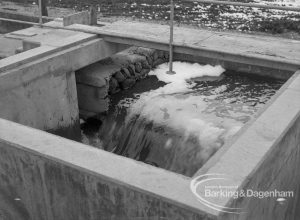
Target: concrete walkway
(265, 55)
(243, 44)
(252, 50)
(264, 47)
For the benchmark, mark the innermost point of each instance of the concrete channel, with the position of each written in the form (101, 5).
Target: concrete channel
(45, 176)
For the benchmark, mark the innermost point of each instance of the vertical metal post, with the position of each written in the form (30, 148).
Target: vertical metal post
(171, 39)
(40, 12)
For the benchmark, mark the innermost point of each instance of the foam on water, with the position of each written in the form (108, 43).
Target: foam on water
(180, 121)
(185, 71)
(176, 107)
(173, 106)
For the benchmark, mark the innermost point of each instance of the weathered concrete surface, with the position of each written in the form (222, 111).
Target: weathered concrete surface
(248, 158)
(241, 67)
(38, 87)
(81, 182)
(265, 156)
(279, 170)
(42, 180)
(8, 47)
(83, 17)
(47, 102)
(239, 52)
(51, 41)
(21, 7)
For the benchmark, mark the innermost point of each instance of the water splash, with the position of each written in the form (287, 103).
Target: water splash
(181, 124)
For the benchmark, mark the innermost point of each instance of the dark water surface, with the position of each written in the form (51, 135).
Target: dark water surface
(182, 130)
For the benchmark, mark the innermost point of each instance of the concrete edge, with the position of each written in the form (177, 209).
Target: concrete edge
(255, 59)
(263, 138)
(265, 156)
(157, 182)
(40, 52)
(55, 63)
(211, 162)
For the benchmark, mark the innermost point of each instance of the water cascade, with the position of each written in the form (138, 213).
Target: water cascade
(177, 122)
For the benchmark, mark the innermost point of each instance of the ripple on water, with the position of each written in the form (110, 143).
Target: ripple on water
(179, 122)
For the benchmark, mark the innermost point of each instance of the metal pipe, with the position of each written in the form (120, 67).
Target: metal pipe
(171, 39)
(284, 8)
(40, 13)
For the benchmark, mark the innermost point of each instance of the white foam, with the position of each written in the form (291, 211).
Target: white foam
(174, 107)
(185, 71)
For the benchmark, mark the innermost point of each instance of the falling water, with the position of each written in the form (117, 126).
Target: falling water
(179, 122)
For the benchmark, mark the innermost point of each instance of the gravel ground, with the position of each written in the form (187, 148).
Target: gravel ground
(31, 9)
(191, 14)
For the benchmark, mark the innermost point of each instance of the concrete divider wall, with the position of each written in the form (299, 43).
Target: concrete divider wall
(257, 66)
(41, 94)
(279, 170)
(83, 17)
(38, 87)
(40, 179)
(264, 157)
(48, 102)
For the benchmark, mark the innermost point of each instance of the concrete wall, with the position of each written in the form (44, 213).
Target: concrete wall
(48, 102)
(239, 66)
(279, 168)
(40, 179)
(47, 177)
(38, 87)
(240, 52)
(264, 156)
(280, 171)
(77, 18)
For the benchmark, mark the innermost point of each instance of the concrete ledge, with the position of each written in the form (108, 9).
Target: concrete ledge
(259, 62)
(83, 17)
(39, 52)
(63, 61)
(87, 176)
(42, 93)
(98, 177)
(263, 156)
(242, 65)
(247, 50)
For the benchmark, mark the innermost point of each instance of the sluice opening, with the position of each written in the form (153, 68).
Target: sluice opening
(177, 122)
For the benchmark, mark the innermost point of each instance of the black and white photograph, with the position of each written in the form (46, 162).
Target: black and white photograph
(149, 109)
